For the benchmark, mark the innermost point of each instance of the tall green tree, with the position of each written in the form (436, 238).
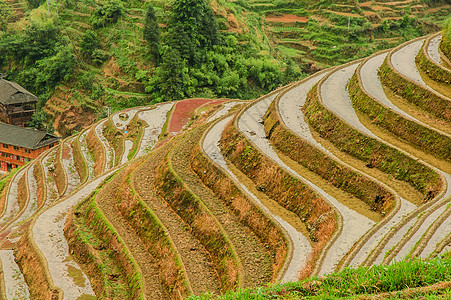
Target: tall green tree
(191, 27)
(151, 33)
(171, 75)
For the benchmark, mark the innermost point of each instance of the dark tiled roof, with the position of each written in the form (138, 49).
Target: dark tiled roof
(25, 137)
(12, 93)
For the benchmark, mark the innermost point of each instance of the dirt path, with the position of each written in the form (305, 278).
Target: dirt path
(86, 154)
(301, 245)
(128, 145)
(73, 179)
(12, 204)
(354, 224)
(106, 200)
(109, 151)
(155, 119)
(15, 285)
(252, 254)
(433, 52)
(199, 266)
(49, 238)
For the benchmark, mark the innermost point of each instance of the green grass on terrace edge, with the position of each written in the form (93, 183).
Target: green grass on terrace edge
(352, 282)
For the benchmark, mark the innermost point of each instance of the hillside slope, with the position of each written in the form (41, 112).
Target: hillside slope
(331, 180)
(101, 58)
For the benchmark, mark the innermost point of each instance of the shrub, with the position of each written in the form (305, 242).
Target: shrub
(108, 13)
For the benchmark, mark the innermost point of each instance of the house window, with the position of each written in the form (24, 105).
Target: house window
(16, 148)
(28, 151)
(5, 146)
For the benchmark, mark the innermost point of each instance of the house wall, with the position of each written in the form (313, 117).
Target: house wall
(13, 156)
(17, 114)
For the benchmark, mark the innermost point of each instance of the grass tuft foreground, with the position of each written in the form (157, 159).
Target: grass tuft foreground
(408, 279)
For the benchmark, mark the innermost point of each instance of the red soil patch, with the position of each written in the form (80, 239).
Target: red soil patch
(378, 7)
(286, 19)
(66, 152)
(369, 13)
(433, 10)
(365, 4)
(344, 14)
(183, 111)
(392, 3)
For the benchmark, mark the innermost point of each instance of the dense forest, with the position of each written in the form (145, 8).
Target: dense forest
(92, 54)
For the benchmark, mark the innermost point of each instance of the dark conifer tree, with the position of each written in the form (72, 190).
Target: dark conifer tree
(191, 28)
(152, 33)
(171, 74)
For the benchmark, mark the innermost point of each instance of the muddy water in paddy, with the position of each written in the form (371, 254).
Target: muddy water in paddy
(155, 119)
(30, 208)
(128, 145)
(343, 107)
(15, 285)
(121, 124)
(73, 179)
(48, 235)
(354, 224)
(433, 49)
(404, 61)
(12, 204)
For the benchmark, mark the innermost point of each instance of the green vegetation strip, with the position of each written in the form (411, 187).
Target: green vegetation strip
(135, 133)
(116, 139)
(375, 153)
(445, 44)
(155, 238)
(95, 231)
(248, 212)
(410, 131)
(203, 225)
(38, 174)
(322, 164)
(97, 150)
(433, 70)
(399, 279)
(282, 187)
(415, 94)
(59, 173)
(79, 161)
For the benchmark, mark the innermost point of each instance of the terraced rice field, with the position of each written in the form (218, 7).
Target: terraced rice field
(340, 169)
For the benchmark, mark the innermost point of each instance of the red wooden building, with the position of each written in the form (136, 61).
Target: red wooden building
(19, 145)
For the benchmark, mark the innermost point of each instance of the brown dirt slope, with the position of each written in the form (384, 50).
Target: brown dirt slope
(105, 199)
(255, 259)
(199, 266)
